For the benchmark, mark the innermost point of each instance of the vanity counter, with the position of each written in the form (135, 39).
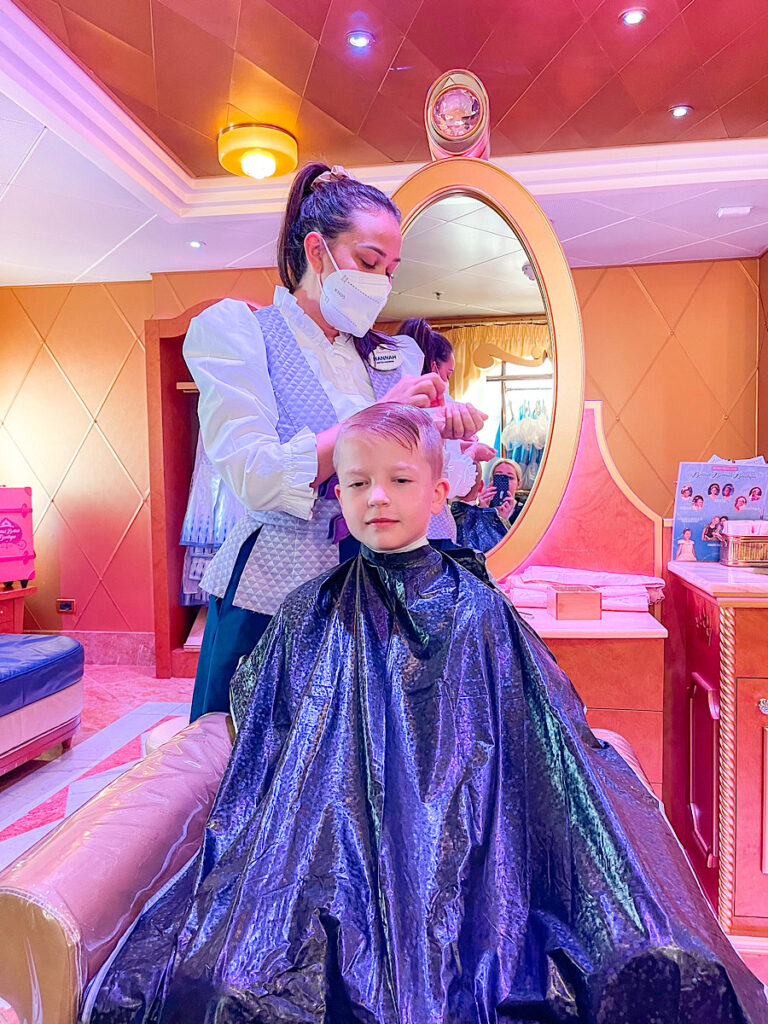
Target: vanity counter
(722, 581)
(616, 664)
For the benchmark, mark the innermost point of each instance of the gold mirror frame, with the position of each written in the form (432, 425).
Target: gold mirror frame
(514, 204)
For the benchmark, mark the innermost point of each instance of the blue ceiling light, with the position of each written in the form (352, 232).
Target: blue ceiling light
(360, 40)
(634, 16)
(681, 110)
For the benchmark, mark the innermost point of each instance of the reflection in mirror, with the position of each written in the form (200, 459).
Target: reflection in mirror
(467, 273)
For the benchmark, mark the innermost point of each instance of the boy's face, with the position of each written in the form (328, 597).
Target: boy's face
(387, 493)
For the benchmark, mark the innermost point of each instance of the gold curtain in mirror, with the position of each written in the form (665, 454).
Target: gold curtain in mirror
(476, 345)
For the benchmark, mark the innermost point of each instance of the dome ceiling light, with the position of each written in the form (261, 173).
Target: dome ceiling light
(257, 150)
(681, 110)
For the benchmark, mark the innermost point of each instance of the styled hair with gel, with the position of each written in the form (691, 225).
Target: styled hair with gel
(435, 346)
(405, 425)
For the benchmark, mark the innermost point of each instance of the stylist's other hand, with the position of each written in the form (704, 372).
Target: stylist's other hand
(457, 421)
(478, 452)
(424, 392)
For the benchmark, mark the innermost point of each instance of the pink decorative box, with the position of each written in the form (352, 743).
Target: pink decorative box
(17, 554)
(573, 602)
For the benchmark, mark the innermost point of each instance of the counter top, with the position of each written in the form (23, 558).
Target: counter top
(612, 626)
(722, 580)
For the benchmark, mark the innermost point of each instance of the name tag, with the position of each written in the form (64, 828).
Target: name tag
(385, 358)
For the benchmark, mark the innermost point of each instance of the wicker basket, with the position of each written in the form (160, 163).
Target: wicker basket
(736, 550)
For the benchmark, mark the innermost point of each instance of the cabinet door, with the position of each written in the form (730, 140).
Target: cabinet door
(703, 761)
(751, 881)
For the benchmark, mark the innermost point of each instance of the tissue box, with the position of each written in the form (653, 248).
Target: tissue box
(573, 602)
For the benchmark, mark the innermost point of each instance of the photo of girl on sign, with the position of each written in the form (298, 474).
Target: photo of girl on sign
(707, 489)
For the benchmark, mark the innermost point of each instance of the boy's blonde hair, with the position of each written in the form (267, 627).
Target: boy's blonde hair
(405, 425)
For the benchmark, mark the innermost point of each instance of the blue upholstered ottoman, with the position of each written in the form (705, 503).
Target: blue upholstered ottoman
(41, 695)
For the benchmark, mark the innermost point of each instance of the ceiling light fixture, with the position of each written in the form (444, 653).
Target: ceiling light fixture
(456, 116)
(681, 110)
(634, 16)
(257, 150)
(734, 211)
(195, 244)
(361, 39)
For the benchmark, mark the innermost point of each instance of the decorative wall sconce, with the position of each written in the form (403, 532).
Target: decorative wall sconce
(257, 150)
(456, 116)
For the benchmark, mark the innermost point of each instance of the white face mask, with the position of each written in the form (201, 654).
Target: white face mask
(351, 300)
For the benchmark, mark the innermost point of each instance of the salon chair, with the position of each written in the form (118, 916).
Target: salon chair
(66, 902)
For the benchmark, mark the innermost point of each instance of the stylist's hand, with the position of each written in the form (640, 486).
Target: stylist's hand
(423, 392)
(457, 421)
(477, 451)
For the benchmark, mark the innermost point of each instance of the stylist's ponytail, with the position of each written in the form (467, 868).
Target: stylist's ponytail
(286, 243)
(435, 346)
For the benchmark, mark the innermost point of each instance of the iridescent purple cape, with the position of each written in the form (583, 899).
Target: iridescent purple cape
(417, 826)
(476, 527)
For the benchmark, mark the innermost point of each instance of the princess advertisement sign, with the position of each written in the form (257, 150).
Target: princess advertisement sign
(710, 494)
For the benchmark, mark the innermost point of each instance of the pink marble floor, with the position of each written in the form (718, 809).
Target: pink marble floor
(109, 692)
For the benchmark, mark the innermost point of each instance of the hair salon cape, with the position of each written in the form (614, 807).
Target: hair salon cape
(417, 826)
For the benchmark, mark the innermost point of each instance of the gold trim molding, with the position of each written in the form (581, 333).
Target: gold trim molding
(727, 833)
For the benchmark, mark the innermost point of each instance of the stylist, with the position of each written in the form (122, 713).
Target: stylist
(274, 386)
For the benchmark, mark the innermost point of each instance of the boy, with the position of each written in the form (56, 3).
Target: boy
(416, 825)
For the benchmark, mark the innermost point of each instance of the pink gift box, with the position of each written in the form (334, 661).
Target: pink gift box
(17, 554)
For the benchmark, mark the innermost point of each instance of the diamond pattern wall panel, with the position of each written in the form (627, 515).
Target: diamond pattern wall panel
(672, 352)
(561, 74)
(762, 347)
(73, 424)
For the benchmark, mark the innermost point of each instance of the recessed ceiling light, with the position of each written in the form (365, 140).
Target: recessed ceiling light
(634, 16)
(195, 244)
(360, 40)
(681, 110)
(734, 211)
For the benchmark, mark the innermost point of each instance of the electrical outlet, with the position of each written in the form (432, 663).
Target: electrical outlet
(65, 605)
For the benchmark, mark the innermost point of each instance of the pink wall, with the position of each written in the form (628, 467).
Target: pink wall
(671, 350)
(73, 425)
(762, 372)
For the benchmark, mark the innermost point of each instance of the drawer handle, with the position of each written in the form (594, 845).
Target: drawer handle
(763, 705)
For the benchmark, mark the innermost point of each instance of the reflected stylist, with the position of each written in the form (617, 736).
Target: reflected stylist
(274, 386)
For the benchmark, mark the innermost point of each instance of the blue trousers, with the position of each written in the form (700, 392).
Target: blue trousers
(230, 633)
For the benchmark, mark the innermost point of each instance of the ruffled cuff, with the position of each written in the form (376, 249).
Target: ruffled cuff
(460, 470)
(300, 460)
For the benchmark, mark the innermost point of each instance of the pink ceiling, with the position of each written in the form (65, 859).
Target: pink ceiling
(562, 74)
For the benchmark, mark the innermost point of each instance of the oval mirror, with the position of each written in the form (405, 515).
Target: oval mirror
(483, 266)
